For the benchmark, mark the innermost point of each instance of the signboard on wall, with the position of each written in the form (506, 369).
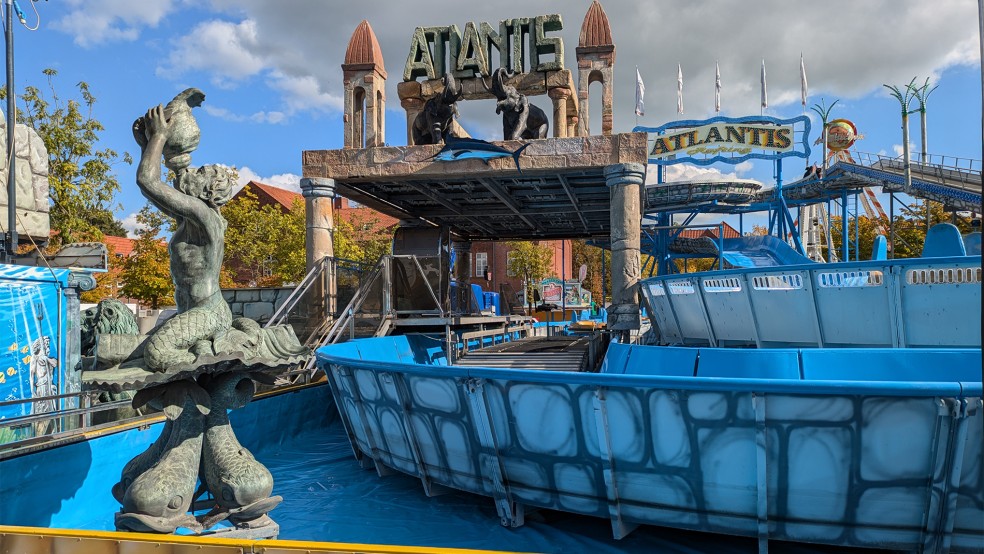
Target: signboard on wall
(522, 45)
(728, 140)
(30, 333)
(575, 296)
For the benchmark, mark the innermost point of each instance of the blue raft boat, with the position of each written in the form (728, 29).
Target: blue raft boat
(850, 416)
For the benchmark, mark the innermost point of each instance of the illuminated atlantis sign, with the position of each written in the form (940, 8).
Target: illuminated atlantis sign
(729, 140)
(435, 51)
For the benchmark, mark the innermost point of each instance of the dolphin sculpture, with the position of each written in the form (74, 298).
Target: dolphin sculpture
(469, 148)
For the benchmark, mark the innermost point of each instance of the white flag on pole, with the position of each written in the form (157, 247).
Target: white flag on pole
(679, 88)
(717, 87)
(640, 93)
(765, 94)
(803, 87)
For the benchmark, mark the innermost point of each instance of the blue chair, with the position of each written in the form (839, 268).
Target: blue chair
(943, 240)
(879, 250)
(972, 243)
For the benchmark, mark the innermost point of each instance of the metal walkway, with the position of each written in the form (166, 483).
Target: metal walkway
(957, 186)
(539, 353)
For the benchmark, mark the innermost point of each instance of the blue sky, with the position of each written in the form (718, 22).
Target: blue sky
(271, 74)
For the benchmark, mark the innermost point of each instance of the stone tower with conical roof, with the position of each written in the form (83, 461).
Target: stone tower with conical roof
(365, 90)
(595, 63)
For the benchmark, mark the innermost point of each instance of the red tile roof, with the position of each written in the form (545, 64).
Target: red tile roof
(712, 232)
(119, 246)
(284, 197)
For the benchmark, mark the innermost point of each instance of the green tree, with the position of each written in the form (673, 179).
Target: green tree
(910, 227)
(531, 261)
(264, 246)
(106, 283)
(583, 254)
(361, 237)
(81, 181)
(146, 274)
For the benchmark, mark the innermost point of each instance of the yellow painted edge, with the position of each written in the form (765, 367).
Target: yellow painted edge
(378, 548)
(120, 536)
(252, 545)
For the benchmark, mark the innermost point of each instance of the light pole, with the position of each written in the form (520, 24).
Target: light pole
(10, 245)
(921, 94)
(823, 110)
(904, 99)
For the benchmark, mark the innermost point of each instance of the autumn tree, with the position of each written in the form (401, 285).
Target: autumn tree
(81, 181)
(361, 238)
(595, 280)
(264, 245)
(106, 283)
(910, 227)
(146, 273)
(531, 261)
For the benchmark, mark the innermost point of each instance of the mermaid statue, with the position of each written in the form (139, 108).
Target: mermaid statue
(197, 364)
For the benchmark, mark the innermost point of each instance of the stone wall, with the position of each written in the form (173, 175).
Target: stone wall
(415, 161)
(258, 304)
(31, 170)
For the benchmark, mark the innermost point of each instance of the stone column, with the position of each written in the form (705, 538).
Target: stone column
(319, 193)
(413, 107)
(559, 97)
(625, 182)
(462, 274)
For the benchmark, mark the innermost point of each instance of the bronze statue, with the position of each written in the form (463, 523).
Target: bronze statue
(196, 248)
(520, 119)
(198, 364)
(433, 124)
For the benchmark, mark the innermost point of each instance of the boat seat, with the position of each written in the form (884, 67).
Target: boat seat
(879, 249)
(943, 240)
(748, 364)
(972, 243)
(892, 364)
(668, 361)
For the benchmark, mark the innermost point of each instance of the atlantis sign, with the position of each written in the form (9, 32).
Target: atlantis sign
(728, 140)
(521, 44)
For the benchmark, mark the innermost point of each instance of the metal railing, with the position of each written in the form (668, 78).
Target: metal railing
(950, 171)
(381, 289)
(22, 431)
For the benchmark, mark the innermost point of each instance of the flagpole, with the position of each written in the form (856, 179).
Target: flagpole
(765, 95)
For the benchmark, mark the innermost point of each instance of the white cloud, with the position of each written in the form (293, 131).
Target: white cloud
(897, 148)
(272, 117)
(93, 22)
(287, 181)
(219, 48)
(744, 167)
(222, 113)
(130, 224)
(687, 172)
(303, 92)
(873, 42)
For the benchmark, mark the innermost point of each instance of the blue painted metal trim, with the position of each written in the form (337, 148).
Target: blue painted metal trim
(880, 388)
(838, 266)
(684, 123)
